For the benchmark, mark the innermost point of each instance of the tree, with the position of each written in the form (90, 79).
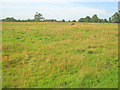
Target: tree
(53, 20)
(115, 18)
(9, 19)
(73, 20)
(87, 19)
(68, 20)
(102, 20)
(94, 18)
(105, 21)
(99, 20)
(81, 20)
(119, 19)
(50, 20)
(18, 20)
(110, 20)
(38, 17)
(63, 20)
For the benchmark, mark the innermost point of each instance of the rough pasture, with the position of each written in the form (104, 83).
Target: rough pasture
(60, 55)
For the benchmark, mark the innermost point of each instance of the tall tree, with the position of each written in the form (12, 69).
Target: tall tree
(110, 20)
(87, 19)
(94, 18)
(115, 18)
(63, 20)
(38, 17)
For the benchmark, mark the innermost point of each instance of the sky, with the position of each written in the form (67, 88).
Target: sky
(57, 9)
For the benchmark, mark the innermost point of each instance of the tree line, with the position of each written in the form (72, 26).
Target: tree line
(39, 18)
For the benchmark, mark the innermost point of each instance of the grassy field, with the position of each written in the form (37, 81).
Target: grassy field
(59, 55)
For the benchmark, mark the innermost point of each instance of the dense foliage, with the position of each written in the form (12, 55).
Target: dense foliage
(39, 18)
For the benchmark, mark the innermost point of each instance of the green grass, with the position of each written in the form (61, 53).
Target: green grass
(59, 55)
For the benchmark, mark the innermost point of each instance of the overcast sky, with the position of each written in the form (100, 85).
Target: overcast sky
(58, 9)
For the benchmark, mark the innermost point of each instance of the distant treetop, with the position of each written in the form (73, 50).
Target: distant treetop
(39, 18)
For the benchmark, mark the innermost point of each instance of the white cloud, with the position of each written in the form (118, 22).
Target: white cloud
(24, 10)
(56, 12)
(70, 13)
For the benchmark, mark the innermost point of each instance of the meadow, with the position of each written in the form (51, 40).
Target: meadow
(59, 55)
